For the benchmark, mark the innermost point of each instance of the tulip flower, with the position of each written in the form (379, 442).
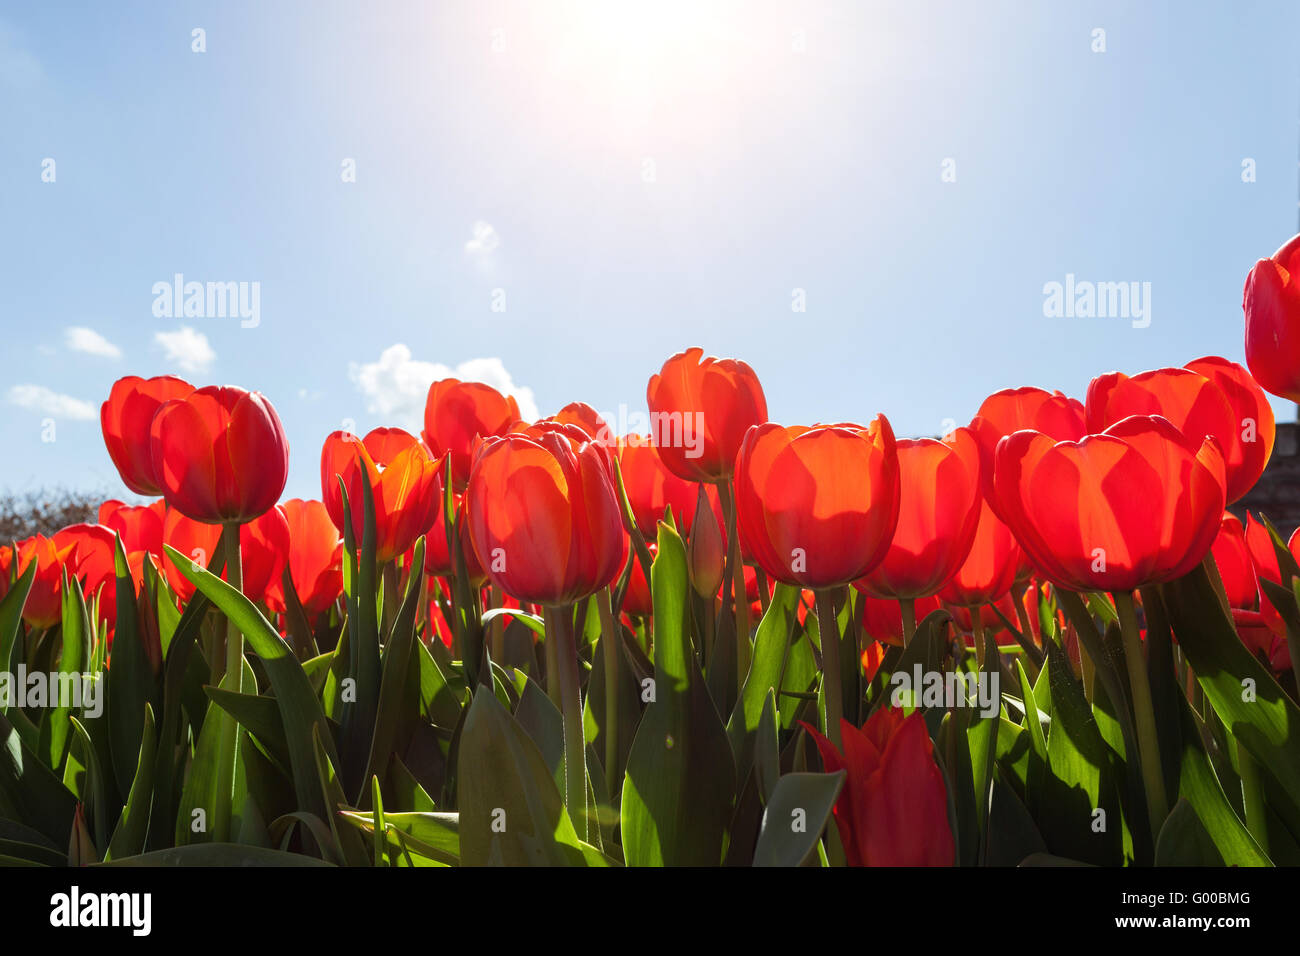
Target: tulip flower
(939, 511)
(893, 810)
(1232, 557)
(220, 454)
(545, 522)
(438, 561)
(1271, 303)
(637, 601)
(589, 420)
(91, 561)
(125, 421)
(140, 527)
(882, 619)
(706, 549)
(404, 482)
(1212, 396)
(1013, 409)
(817, 507)
(44, 607)
(263, 551)
(1137, 504)
(458, 413)
(701, 409)
(989, 567)
(196, 540)
(315, 558)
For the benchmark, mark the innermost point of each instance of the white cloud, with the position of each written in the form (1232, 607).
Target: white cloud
(484, 241)
(38, 398)
(81, 339)
(189, 350)
(397, 385)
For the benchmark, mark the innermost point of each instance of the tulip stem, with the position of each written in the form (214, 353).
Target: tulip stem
(908, 606)
(832, 682)
(497, 639)
(559, 627)
(609, 635)
(1252, 793)
(1143, 712)
(233, 681)
(735, 568)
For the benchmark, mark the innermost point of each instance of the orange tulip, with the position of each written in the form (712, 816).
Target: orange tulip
(263, 550)
(220, 454)
(1137, 504)
(939, 511)
(438, 560)
(638, 601)
(1212, 396)
(1271, 303)
(893, 810)
(1012, 409)
(125, 419)
(817, 506)
(990, 566)
(456, 413)
(589, 420)
(44, 607)
(315, 558)
(701, 409)
(404, 481)
(91, 561)
(140, 527)
(543, 516)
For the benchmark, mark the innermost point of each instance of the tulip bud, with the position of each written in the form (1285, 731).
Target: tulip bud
(706, 549)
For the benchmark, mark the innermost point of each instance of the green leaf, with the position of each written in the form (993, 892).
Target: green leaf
(133, 826)
(796, 814)
(1264, 725)
(434, 836)
(771, 646)
(43, 802)
(131, 684)
(11, 619)
(300, 709)
(217, 855)
(681, 782)
(57, 728)
(530, 621)
(511, 811)
(1184, 841)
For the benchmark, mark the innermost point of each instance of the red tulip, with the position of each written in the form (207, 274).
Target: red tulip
(589, 420)
(817, 507)
(140, 527)
(990, 566)
(939, 511)
(456, 413)
(1012, 409)
(438, 560)
(700, 409)
(404, 482)
(1137, 504)
(1215, 397)
(44, 607)
(90, 560)
(1271, 302)
(263, 550)
(315, 558)
(638, 601)
(1232, 557)
(125, 419)
(893, 810)
(543, 516)
(220, 454)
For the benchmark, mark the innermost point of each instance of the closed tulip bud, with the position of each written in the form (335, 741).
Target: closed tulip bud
(1271, 303)
(220, 454)
(125, 420)
(702, 408)
(706, 548)
(1232, 558)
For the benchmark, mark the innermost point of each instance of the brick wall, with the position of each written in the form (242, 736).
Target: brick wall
(1277, 493)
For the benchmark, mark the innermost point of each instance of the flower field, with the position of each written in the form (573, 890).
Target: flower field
(1039, 639)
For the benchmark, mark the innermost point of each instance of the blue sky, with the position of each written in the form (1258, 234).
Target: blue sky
(633, 179)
